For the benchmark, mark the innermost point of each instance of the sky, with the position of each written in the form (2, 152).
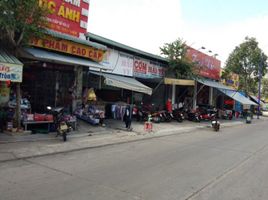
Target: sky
(217, 25)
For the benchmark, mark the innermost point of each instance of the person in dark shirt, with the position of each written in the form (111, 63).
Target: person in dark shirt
(128, 117)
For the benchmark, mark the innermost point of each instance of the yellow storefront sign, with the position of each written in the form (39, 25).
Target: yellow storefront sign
(172, 81)
(69, 47)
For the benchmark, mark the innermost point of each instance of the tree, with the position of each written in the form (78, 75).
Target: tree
(264, 92)
(245, 60)
(20, 20)
(179, 64)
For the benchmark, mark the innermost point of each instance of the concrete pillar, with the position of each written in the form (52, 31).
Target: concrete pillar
(173, 94)
(195, 95)
(210, 95)
(78, 87)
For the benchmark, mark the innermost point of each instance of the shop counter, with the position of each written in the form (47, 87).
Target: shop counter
(26, 123)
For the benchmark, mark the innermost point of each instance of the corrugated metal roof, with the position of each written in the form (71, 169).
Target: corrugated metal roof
(106, 41)
(6, 57)
(74, 39)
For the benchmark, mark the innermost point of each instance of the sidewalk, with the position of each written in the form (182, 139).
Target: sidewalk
(27, 146)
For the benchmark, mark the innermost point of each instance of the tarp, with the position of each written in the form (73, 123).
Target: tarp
(124, 82)
(48, 56)
(237, 97)
(256, 100)
(214, 84)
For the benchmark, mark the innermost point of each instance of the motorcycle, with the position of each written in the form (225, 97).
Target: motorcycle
(193, 115)
(61, 125)
(215, 123)
(178, 115)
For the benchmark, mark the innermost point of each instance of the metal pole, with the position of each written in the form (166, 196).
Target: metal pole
(259, 92)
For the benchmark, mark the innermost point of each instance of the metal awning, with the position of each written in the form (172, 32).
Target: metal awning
(10, 67)
(237, 97)
(49, 56)
(173, 81)
(214, 84)
(124, 82)
(256, 100)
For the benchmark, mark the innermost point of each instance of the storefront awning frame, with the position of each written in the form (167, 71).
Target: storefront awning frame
(128, 83)
(232, 93)
(48, 56)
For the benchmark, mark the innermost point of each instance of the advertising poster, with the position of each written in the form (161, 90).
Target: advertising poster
(208, 66)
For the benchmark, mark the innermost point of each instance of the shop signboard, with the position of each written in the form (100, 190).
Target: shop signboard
(147, 69)
(10, 72)
(232, 81)
(207, 66)
(67, 16)
(118, 62)
(68, 47)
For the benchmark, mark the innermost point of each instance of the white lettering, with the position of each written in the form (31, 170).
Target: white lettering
(74, 2)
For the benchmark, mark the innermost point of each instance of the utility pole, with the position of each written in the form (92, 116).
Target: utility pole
(259, 92)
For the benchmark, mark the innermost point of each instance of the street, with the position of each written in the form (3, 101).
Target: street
(229, 165)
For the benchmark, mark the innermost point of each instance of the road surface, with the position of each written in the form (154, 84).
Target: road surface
(228, 165)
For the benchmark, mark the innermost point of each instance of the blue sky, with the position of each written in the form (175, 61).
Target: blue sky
(218, 25)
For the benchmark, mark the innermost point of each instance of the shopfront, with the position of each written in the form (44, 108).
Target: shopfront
(10, 75)
(54, 74)
(116, 88)
(151, 73)
(180, 91)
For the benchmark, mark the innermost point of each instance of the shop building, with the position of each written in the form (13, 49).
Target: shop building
(209, 90)
(53, 69)
(140, 74)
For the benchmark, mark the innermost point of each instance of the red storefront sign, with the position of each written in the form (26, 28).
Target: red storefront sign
(67, 16)
(145, 69)
(208, 66)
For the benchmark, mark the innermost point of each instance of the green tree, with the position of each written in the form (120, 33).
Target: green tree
(179, 64)
(264, 91)
(245, 60)
(20, 20)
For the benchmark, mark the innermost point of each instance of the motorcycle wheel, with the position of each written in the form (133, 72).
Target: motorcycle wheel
(179, 119)
(64, 136)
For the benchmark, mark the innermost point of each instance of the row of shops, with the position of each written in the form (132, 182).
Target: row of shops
(60, 70)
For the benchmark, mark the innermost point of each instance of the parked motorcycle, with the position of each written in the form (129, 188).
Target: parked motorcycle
(193, 115)
(61, 125)
(178, 115)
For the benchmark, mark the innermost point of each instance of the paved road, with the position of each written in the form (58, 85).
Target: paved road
(229, 165)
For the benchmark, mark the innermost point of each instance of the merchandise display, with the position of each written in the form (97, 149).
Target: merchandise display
(93, 112)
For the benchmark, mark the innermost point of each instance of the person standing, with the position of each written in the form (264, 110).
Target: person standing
(169, 105)
(128, 117)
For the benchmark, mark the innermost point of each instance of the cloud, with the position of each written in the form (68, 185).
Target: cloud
(143, 24)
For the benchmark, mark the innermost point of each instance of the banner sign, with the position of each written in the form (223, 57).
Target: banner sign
(67, 16)
(147, 69)
(208, 66)
(232, 81)
(68, 47)
(118, 62)
(10, 72)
